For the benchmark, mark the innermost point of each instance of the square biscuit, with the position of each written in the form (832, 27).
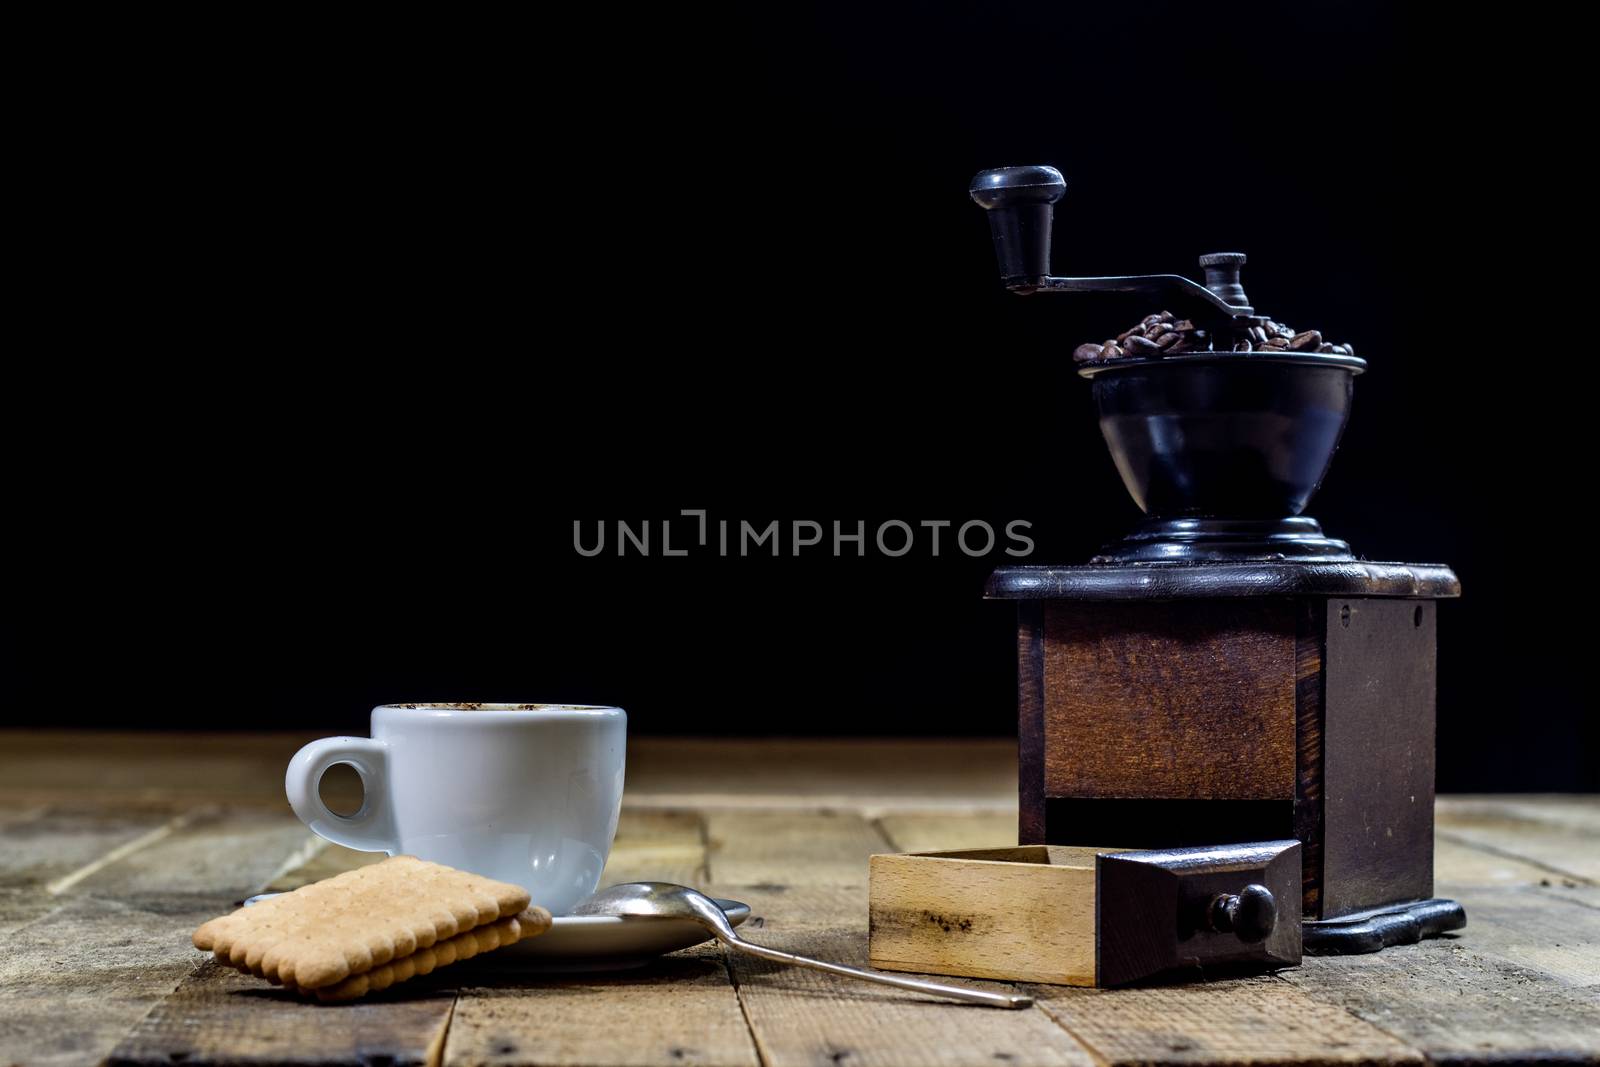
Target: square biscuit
(530, 923)
(325, 932)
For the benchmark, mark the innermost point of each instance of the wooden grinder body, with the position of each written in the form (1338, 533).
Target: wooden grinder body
(1162, 722)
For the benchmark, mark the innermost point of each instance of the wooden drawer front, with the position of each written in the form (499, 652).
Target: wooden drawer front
(1077, 916)
(1187, 700)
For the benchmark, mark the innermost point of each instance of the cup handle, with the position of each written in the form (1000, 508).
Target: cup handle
(369, 830)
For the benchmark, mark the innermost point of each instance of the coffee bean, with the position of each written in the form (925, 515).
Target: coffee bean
(1162, 333)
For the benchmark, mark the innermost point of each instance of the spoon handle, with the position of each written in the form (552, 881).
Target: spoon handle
(938, 989)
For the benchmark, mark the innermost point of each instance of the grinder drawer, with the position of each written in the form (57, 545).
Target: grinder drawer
(1072, 915)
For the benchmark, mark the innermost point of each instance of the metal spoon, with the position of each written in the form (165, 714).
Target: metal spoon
(664, 900)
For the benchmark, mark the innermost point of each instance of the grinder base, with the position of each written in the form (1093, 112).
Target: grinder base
(1403, 924)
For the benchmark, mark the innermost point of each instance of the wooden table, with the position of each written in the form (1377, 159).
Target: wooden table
(114, 847)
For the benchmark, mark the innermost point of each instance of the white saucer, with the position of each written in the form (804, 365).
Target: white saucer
(600, 942)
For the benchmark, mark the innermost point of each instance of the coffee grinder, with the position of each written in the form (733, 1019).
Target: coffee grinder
(1226, 672)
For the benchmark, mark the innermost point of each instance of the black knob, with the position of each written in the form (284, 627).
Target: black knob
(1222, 276)
(1020, 202)
(1251, 914)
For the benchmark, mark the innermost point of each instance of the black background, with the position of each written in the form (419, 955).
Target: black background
(355, 322)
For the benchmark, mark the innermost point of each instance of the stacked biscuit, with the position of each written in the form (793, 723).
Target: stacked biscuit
(364, 930)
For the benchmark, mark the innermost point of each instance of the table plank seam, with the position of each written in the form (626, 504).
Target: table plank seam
(434, 1055)
(155, 836)
(763, 1055)
(1041, 1004)
(1357, 1020)
(703, 830)
(1509, 854)
(313, 847)
(1556, 894)
(28, 924)
(123, 851)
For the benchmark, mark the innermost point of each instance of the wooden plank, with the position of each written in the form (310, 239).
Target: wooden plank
(117, 941)
(1559, 838)
(680, 1010)
(1576, 892)
(53, 842)
(19, 907)
(1533, 927)
(74, 982)
(315, 859)
(1457, 865)
(1454, 1004)
(657, 846)
(210, 861)
(814, 907)
(864, 775)
(1242, 1020)
(945, 832)
(145, 767)
(791, 848)
(801, 1016)
(1575, 811)
(219, 1015)
(529, 1018)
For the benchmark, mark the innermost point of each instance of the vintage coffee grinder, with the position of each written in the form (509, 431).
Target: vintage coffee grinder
(1225, 672)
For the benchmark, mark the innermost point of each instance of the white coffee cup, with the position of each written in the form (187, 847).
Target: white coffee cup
(522, 793)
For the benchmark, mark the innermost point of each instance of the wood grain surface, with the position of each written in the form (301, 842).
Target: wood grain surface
(1198, 703)
(999, 913)
(114, 847)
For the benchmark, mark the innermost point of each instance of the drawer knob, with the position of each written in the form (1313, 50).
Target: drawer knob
(1251, 913)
